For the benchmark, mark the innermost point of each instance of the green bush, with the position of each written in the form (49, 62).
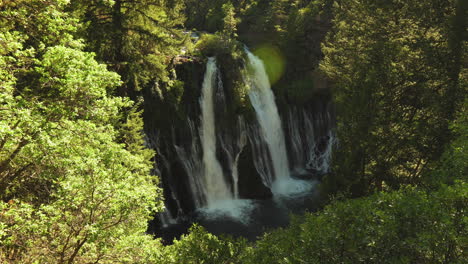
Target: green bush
(407, 226)
(218, 45)
(201, 247)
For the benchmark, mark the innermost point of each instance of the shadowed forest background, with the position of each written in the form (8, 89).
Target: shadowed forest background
(85, 83)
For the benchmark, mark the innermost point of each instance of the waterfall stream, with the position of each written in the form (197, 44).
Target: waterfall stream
(271, 130)
(207, 156)
(263, 101)
(310, 145)
(216, 186)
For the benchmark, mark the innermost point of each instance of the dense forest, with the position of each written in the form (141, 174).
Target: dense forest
(86, 84)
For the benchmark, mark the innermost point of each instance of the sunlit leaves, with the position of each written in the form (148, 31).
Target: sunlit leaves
(70, 191)
(73, 82)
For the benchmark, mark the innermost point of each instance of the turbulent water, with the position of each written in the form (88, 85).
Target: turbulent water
(212, 194)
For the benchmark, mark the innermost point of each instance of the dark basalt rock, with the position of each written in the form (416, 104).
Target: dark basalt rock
(308, 174)
(250, 181)
(180, 183)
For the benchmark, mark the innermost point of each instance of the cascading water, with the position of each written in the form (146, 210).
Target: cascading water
(206, 188)
(232, 142)
(220, 198)
(166, 217)
(310, 140)
(263, 101)
(212, 194)
(321, 162)
(261, 154)
(216, 186)
(232, 147)
(240, 144)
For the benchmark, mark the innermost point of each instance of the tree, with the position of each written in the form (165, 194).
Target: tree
(24, 111)
(452, 165)
(202, 247)
(137, 39)
(388, 61)
(405, 226)
(70, 191)
(230, 22)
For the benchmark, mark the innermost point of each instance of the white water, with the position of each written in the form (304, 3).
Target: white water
(240, 144)
(215, 184)
(306, 153)
(221, 200)
(232, 145)
(321, 163)
(261, 155)
(238, 209)
(263, 101)
(166, 218)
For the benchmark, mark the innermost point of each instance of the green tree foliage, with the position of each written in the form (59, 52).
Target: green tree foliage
(102, 198)
(277, 15)
(229, 21)
(202, 247)
(205, 15)
(271, 18)
(453, 165)
(406, 226)
(394, 89)
(74, 173)
(70, 192)
(138, 39)
(25, 111)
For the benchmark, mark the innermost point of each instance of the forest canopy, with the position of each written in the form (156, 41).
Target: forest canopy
(77, 181)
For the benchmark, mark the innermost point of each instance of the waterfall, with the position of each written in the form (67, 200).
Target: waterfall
(211, 193)
(311, 141)
(232, 142)
(232, 146)
(240, 144)
(216, 186)
(261, 155)
(166, 217)
(263, 101)
(204, 154)
(220, 198)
